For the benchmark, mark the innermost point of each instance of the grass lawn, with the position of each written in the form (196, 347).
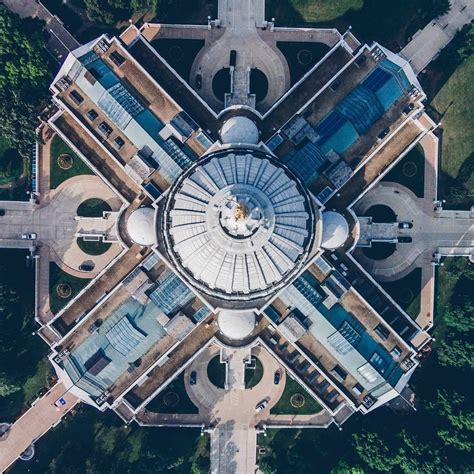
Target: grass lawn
(92, 208)
(301, 57)
(313, 11)
(454, 283)
(58, 175)
(406, 292)
(390, 22)
(93, 247)
(284, 407)
(253, 376)
(216, 372)
(410, 171)
(179, 53)
(454, 103)
(173, 399)
(56, 276)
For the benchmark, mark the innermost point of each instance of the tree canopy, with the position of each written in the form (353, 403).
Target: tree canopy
(111, 11)
(25, 72)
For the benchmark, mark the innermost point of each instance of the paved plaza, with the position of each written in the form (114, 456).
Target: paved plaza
(428, 42)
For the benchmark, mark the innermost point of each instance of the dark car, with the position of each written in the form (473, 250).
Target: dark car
(408, 108)
(383, 134)
(335, 85)
(404, 240)
(233, 58)
(277, 377)
(2, 212)
(193, 378)
(198, 81)
(86, 267)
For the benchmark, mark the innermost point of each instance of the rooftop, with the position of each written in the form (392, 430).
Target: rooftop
(238, 224)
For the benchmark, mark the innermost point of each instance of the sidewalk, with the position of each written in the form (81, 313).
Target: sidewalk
(39, 419)
(436, 35)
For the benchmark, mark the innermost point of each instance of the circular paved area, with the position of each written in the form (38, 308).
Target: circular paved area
(219, 405)
(253, 52)
(58, 214)
(429, 232)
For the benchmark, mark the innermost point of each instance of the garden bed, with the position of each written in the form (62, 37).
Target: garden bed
(93, 208)
(57, 173)
(93, 247)
(410, 171)
(57, 277)
(406, 292)
(291, 402)
(173, 399)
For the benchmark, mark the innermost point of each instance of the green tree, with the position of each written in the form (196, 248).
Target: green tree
(466, 48)
(460, 319)
(455, 420)
(376, 452)
(7, 388)
(25, 73)
(112, 11)
(436, 8)
(454, 352)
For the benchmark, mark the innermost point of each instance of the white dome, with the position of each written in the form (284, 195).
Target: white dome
(238, 224)
(236, 325)
(239, 130)
(335, 230)
(140, 226)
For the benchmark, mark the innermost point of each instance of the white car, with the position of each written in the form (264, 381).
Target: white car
(261, 406)
(29, 236)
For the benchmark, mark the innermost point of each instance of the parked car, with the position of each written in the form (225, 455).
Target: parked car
(260, 406)
(408, 108)
(86, 267)
(233, 57)
(198, 81)
(405, 225)
(29, 236)
(277, 377)
(193, 378)
(404, 239)
(383, 134)
(2, 212)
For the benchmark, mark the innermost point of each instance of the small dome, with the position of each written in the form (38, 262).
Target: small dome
(335, 230)
(239, 130)
(236, 324)
(140, 226)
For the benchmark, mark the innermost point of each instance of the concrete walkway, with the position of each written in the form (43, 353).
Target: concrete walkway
(54, 221)
(447, 229)
(428, 42)
(232, 411)
(241, 18)
(39, 419)
(61, 42)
